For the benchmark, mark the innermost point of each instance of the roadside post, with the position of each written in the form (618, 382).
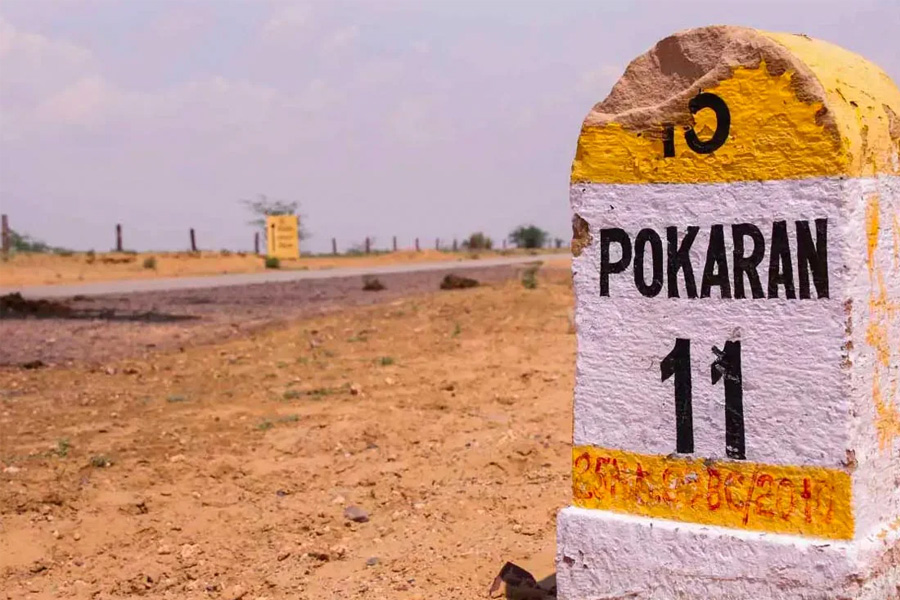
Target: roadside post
(736, 262)
(4, 235)
(282, 236)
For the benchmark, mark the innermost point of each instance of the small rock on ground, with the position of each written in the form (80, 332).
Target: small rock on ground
(356, 514)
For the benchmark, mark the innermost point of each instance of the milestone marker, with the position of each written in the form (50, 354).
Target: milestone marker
(737, 279)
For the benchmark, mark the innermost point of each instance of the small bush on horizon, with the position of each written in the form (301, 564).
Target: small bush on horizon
(150, 262)
(478, 241)
(528, 236)
(22, 242)
(272, 262)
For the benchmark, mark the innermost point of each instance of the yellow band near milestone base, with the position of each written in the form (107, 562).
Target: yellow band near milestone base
(806, 501)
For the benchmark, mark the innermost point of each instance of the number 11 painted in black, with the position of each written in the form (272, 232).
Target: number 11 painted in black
(678, 363)
(727, 365)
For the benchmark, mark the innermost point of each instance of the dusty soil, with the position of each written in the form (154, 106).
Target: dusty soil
(224, 470)
(49, 269)
(98, 328)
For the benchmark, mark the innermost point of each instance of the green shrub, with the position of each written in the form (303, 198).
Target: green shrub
(62, 447)
(528, 236)
(150, 262)
(529, 277)
(478, 241)
(25, 243)
(386, 361)
(272, 262)
(100, 462)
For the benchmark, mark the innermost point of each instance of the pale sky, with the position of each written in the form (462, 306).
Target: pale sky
(430, 118)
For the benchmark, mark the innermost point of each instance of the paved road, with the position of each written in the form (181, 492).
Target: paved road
(128, 286)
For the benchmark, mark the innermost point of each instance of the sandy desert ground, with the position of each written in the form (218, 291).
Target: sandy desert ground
(226, 467)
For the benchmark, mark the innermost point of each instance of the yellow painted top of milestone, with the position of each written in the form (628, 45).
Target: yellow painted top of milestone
(795, 108)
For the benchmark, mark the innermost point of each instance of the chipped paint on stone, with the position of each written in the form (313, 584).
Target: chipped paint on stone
(826, 113)
(862, 99)
(770, 125)
(581, 235)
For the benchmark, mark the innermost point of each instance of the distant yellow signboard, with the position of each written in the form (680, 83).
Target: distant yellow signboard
(282, 236)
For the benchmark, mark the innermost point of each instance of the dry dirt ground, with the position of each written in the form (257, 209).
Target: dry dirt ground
(49, 269)
(94, 329)
(223, 471)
